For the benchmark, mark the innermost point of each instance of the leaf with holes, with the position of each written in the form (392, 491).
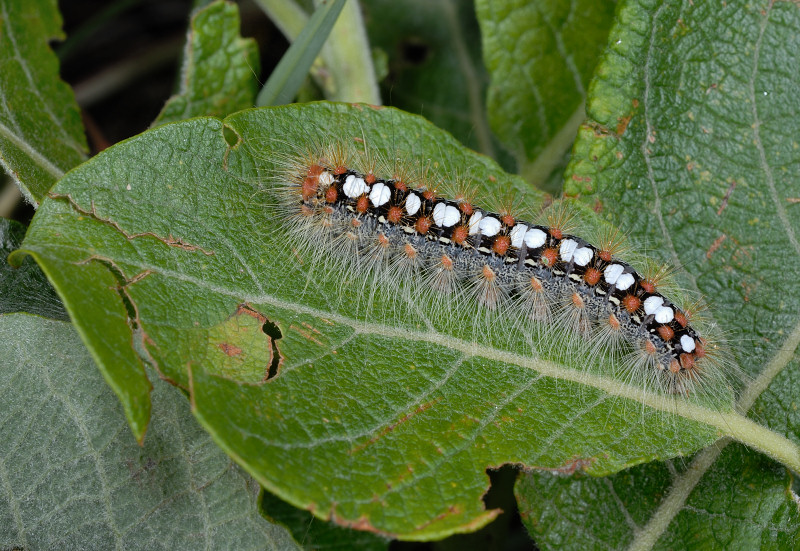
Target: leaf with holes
(379, 418)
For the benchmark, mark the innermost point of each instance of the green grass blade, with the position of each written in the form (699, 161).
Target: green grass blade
(288, 76)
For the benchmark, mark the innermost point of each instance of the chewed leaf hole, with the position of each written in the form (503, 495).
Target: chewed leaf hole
(274, 333)
(232, 138)
(243, 346)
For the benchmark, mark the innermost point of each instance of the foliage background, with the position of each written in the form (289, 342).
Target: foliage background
(681, 94)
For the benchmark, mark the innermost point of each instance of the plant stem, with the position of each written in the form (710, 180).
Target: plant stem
(344, 69)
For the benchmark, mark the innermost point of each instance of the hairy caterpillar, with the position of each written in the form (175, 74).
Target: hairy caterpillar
(378, 221)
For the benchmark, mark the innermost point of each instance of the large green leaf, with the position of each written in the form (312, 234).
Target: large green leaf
(24, 289)
(382, 417)
(41, 135)
(541, 56)
(71, 477)
(692, 147)
(220, 67)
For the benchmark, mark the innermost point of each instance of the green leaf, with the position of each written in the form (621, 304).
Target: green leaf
(436, 69)
(541, 56)
(24, 289)
(313, 533)
(692, 147)
(754, 511)
(220, 68)
(71, 477)
(378, 422)
(288, 76)
(41, 135)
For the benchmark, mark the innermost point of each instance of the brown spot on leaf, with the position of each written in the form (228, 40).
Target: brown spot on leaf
(244, 346)
(715, 245)
(727, 196)
(230, 349)
(622, 124)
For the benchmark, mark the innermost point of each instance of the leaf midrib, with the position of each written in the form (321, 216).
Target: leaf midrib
(32, 152)
(725, 422)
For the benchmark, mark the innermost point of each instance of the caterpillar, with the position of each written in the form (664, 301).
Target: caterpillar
(390, 223)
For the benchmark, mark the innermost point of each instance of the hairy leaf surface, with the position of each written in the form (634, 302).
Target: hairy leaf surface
(41, 135)
(71, 477)
(692, 148)
(383, 414)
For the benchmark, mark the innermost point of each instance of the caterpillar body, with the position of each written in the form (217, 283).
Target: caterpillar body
(396, 225)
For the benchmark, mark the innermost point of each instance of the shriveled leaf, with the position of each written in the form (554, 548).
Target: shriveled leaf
(73, 478)
(541, 56)
(24, 289)
(41, 135)
(382, 416)
(692, 147)
(220, 67)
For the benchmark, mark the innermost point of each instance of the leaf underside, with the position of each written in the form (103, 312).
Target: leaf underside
(71, 477)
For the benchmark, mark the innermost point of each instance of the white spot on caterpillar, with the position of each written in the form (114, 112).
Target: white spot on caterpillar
(474, 222)
(489, 226)
(412, 204)
(687, 343)
(612, 273)
(652, 304)
(582, 256)
(326, 179)
(664, 314)
(535, 238)
(354, 187)
(518, 235)
(567, 249)
(445, 215)
(380, 194)
(624, 281)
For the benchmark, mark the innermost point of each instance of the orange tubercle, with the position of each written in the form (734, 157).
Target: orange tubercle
(309, 187)
(501, 245)
(592, 276)
(395, 214)
(460, 235)
(666, 333)
(331, 194)
(631, 303)
(423, 225)
(549, 256)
